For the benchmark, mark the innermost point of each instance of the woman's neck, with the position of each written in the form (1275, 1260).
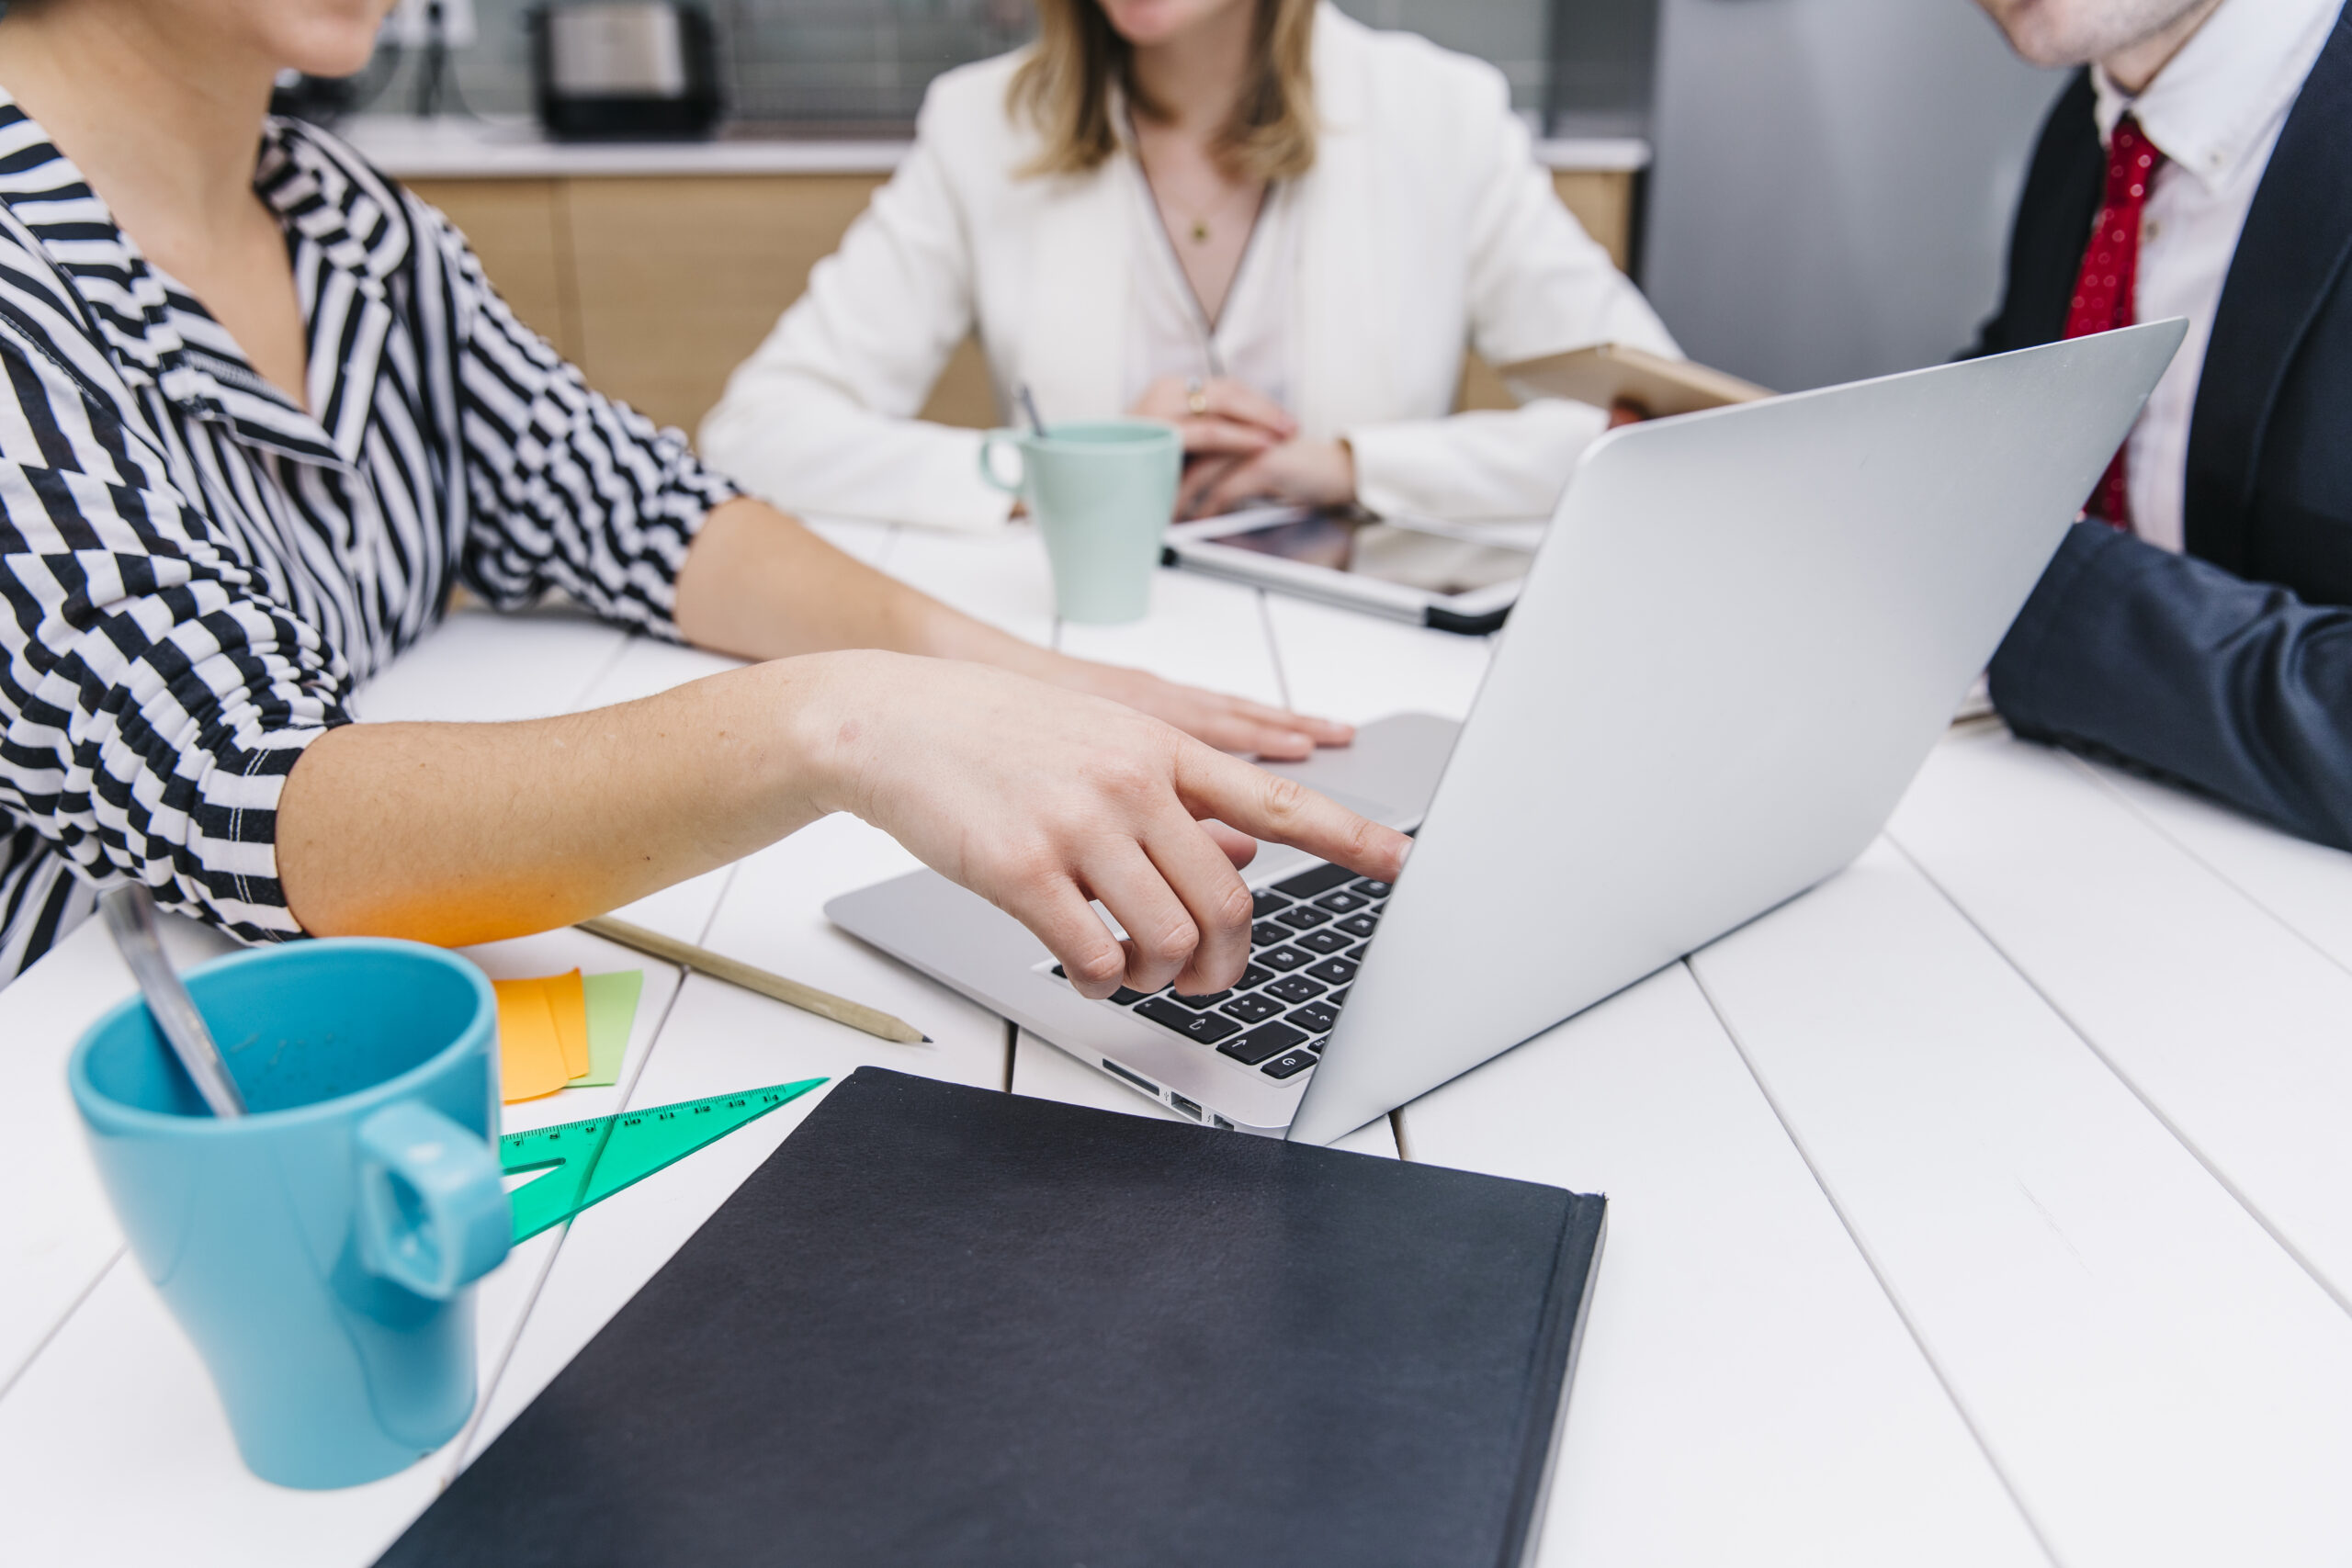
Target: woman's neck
(1193, 79)
(163, 126)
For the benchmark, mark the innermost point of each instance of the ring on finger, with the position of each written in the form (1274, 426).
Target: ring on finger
(1196, 396)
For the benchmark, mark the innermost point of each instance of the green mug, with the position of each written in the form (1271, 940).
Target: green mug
(1102, 494)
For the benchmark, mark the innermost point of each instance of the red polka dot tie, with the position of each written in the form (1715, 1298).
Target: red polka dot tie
(2104, 288)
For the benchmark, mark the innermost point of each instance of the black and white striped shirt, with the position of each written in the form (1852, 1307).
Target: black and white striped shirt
(197, 572)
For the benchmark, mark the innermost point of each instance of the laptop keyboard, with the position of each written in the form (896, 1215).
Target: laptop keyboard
(1307, 935)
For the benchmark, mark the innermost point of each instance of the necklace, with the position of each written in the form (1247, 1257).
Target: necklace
(1200, 230)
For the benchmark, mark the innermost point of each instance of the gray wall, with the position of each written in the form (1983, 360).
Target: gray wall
(852, 59)
(1834, 182)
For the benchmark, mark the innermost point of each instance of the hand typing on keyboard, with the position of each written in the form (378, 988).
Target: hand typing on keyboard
(1278, 1014)
(1040, 799)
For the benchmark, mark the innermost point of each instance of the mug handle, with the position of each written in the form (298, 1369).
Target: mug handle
(433, 1209)
(989, 444)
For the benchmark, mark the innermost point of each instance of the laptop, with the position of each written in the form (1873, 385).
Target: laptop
(1744, 631)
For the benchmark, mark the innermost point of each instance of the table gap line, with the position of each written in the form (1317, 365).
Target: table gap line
(2131, 1085)
(57, 1325)
(726, 886)
(464, 1440)
(1397, 1131)
(612, 662)
(1878, 1271)
(1012, 1049)
(1274, 649)
(2157, 827)
(458, 1446)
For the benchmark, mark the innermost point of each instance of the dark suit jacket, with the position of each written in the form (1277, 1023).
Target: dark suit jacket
(2231, 667)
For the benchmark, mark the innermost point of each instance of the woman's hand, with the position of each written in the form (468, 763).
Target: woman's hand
(1295, 473)
(1041, 799)
(1219, 417)
(1229, 724)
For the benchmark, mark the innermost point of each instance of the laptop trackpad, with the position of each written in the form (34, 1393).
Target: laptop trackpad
(1388, 774)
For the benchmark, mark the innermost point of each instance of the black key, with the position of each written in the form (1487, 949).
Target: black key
(1372, 889)
(1343, 901)
(1262, 1043)
(1324, 941)
(1317, 1018)
(1334, 971)
(1123, 995)
(1338, 997)
(1256, 974)
(1251, 1009)
(1285, 959)
(1294, 988)
(1200, 1004)
(1264, 904)
(1360, 925)
(1290, 1064)
(1206, 1027)
(1308, 884)
(1355, 953)
(1266, 933)
(1299, 917)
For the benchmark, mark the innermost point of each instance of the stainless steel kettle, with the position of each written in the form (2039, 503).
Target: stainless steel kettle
(624, 70)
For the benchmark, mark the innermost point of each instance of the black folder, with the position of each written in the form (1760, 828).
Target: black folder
(944, 1324)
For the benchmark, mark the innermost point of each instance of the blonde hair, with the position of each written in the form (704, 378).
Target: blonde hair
(1064, 89)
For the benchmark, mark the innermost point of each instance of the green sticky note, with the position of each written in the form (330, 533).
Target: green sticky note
(612, 1013)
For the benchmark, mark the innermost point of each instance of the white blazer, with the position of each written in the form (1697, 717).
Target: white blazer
(1424, 226)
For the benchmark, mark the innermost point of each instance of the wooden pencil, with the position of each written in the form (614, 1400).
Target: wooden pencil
(718, 966)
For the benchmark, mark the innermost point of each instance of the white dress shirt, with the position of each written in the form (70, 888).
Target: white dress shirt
(2215, 112)
(1168, 334)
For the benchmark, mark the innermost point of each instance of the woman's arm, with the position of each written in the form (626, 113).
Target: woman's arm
(1537, 284)
(760, 585)
(1035, 797)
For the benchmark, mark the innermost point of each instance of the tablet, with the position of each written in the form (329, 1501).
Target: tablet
(1457, 577)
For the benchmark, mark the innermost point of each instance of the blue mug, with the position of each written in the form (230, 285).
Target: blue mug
(319, 1250)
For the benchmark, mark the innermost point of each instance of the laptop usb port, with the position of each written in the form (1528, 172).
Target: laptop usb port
(1186, 1106)
(1137, 1080)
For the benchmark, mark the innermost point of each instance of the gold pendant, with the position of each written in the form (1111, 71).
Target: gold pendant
(1200, 231)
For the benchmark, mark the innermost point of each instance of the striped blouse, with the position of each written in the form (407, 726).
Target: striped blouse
(197, 571)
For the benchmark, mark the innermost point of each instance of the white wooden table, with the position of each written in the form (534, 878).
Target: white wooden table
(1990, 1205)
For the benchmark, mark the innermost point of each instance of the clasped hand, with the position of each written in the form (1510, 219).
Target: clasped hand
(1241, 445)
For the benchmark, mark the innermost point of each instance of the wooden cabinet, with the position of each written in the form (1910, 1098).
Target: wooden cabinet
(658, 287)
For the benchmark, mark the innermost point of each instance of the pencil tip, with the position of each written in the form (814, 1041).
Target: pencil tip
(927, 1040)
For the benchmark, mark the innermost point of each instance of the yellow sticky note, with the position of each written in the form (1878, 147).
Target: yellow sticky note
(569, 1003)
(530, 1054)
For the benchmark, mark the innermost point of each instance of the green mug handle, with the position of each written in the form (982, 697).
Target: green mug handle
(989, 448)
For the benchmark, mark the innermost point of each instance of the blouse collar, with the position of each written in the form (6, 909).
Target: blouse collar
(349, 238)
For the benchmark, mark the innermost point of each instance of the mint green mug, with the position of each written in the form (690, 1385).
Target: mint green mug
(1102, 494)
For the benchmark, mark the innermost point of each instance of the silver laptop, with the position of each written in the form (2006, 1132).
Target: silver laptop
(1743, 633)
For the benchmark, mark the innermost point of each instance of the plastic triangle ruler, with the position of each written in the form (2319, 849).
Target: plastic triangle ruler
(587, 1162)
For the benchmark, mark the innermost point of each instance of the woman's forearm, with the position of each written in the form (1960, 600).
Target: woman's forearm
(458, 833)
(1038, 798)
(762, 585)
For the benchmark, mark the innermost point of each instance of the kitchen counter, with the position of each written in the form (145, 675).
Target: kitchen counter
(513, 147)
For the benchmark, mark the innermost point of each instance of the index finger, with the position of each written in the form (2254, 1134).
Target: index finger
(1267, 806)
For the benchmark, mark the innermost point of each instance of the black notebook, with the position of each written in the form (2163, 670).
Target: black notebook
(944, 1324)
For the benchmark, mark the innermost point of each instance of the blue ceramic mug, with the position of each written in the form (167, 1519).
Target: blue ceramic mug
(319, 1250)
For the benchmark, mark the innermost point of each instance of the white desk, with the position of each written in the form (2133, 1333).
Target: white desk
(1989, 1205)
